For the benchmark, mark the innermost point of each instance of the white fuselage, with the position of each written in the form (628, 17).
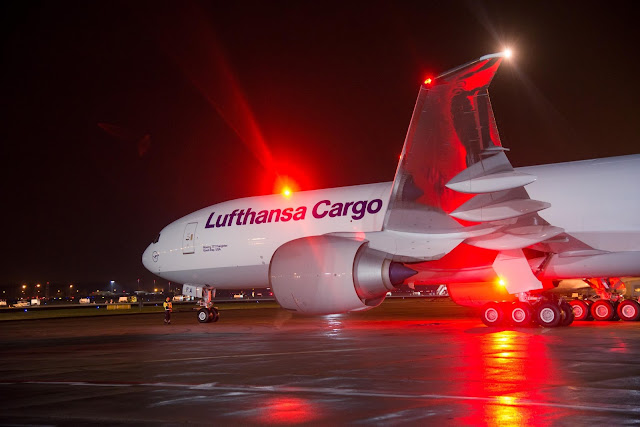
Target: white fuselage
(235, 253)
(230, 245)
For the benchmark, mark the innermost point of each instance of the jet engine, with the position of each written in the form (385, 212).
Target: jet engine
(329, 274)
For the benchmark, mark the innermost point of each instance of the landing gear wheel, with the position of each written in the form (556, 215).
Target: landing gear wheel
(603, 310)
(567, 311)
(548, 315)
(204, 315)
(580, 309)
(215, 314)
(492, 314)
(589, 304)
(521, 314)
(629, 310)
(615, 310)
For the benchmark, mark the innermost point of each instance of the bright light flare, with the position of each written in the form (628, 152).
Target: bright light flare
(502, 282)
(508, 53)
(286, 186)
(428, 81)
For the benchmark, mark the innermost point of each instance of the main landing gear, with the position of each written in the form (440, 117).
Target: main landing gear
(547, 313)
(610, 305)
(208, 313)
(606, 309)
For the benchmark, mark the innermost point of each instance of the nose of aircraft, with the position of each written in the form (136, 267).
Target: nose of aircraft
(146, 258)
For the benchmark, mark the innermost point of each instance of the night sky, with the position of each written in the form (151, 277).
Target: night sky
(120, 117)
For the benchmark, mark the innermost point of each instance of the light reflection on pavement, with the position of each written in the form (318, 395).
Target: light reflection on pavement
(406, 362)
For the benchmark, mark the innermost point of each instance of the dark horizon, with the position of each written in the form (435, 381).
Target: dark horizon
(119, 118)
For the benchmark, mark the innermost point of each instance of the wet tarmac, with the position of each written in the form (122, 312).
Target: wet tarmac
(408, 362)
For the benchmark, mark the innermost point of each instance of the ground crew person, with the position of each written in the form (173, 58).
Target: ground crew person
(168, 308)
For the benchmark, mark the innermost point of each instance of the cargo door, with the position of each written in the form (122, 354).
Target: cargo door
(188, 240)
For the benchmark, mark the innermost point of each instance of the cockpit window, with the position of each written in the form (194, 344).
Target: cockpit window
(157, 239)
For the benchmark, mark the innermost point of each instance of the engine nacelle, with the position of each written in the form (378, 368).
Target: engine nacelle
(328, 275)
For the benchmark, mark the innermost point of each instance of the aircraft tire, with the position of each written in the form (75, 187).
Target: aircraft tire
(580, 309)
(492, 314)
(629, 310)
(204, 315)
(215, 314)
(603, 310)
(589, 304)
(567, 311)
(548, 315)
(520, 314)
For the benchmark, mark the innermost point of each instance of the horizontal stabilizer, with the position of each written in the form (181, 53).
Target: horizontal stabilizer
(491, 183)
(496, 211)
(515, 237)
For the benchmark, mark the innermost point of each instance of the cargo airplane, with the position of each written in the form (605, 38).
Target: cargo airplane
(456, 212)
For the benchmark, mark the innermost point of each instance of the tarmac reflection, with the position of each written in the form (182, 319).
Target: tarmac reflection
(512, 369)
(334, 325)
(287, 410)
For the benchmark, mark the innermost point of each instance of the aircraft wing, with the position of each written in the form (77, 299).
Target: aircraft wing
(454, 184)
(454, 178)
(452, 129)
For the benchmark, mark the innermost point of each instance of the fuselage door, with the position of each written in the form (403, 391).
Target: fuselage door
(188, 240)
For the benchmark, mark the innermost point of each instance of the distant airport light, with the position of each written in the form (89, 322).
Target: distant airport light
(428, 81)
(507, 53)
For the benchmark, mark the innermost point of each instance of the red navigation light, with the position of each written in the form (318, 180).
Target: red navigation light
(427, 81)
(285, 186)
